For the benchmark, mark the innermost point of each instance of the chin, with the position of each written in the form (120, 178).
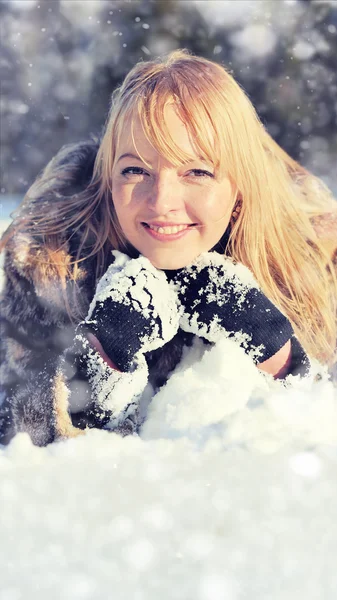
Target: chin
(171, 262)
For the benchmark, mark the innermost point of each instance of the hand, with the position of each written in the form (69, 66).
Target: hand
(219, 297)
(134, 310)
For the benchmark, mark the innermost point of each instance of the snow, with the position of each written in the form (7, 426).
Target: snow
(104, 516)
(226, 12)
(229, 493)
(303, 50)
(255, 40)
(24, 4)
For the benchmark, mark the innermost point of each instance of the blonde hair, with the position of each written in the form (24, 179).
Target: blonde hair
(273, 234)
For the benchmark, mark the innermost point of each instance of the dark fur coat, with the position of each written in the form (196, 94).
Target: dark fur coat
(36, 329)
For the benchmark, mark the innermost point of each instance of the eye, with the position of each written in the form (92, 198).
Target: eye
(133, 171)
(201, 173)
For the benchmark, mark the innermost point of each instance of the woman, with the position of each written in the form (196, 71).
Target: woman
(126, 249)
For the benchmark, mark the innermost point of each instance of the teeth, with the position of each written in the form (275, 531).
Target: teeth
(168, 230)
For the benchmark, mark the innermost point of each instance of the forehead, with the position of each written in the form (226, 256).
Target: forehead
(169, 136)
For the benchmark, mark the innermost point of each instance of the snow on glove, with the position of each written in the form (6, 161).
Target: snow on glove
(219, 297)
(134, 311)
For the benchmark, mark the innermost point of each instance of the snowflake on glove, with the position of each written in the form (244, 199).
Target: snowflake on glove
(218, 297)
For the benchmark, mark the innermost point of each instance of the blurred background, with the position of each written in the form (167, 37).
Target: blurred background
(61, 59)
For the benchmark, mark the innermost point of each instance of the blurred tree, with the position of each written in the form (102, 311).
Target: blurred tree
(61, 59)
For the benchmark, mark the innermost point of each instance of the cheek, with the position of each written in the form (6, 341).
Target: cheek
(216, 210)
(122, 204)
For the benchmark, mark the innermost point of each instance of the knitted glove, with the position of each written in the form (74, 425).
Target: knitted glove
(219, 297)
(134, 311)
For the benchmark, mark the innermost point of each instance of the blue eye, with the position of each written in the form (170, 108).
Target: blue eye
(133, 171)
(202, 173)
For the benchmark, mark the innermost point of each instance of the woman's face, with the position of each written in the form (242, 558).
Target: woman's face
(169, 214)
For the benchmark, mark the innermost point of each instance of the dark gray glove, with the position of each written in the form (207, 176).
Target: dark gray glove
(134, 310)
(219, 297)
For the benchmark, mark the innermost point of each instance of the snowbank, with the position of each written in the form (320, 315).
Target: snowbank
(106, 517)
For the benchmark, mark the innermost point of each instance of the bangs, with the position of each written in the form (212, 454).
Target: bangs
(190, 106)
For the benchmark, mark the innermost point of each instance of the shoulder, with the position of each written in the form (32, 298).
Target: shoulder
(69, 171)
(45, 263)
(45, 275)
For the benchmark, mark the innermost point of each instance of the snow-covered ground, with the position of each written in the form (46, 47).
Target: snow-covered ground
(230, 493)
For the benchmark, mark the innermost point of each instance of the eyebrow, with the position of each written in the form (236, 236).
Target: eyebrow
(128, 155)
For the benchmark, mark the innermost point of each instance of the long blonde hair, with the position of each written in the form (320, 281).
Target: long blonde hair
(273, 234)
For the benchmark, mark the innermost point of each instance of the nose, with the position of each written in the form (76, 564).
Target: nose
(166, 194)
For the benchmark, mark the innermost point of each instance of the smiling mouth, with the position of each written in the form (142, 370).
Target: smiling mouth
(168, 229)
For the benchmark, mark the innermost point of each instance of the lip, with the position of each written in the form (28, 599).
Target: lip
(167, 224)
(166, 237)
